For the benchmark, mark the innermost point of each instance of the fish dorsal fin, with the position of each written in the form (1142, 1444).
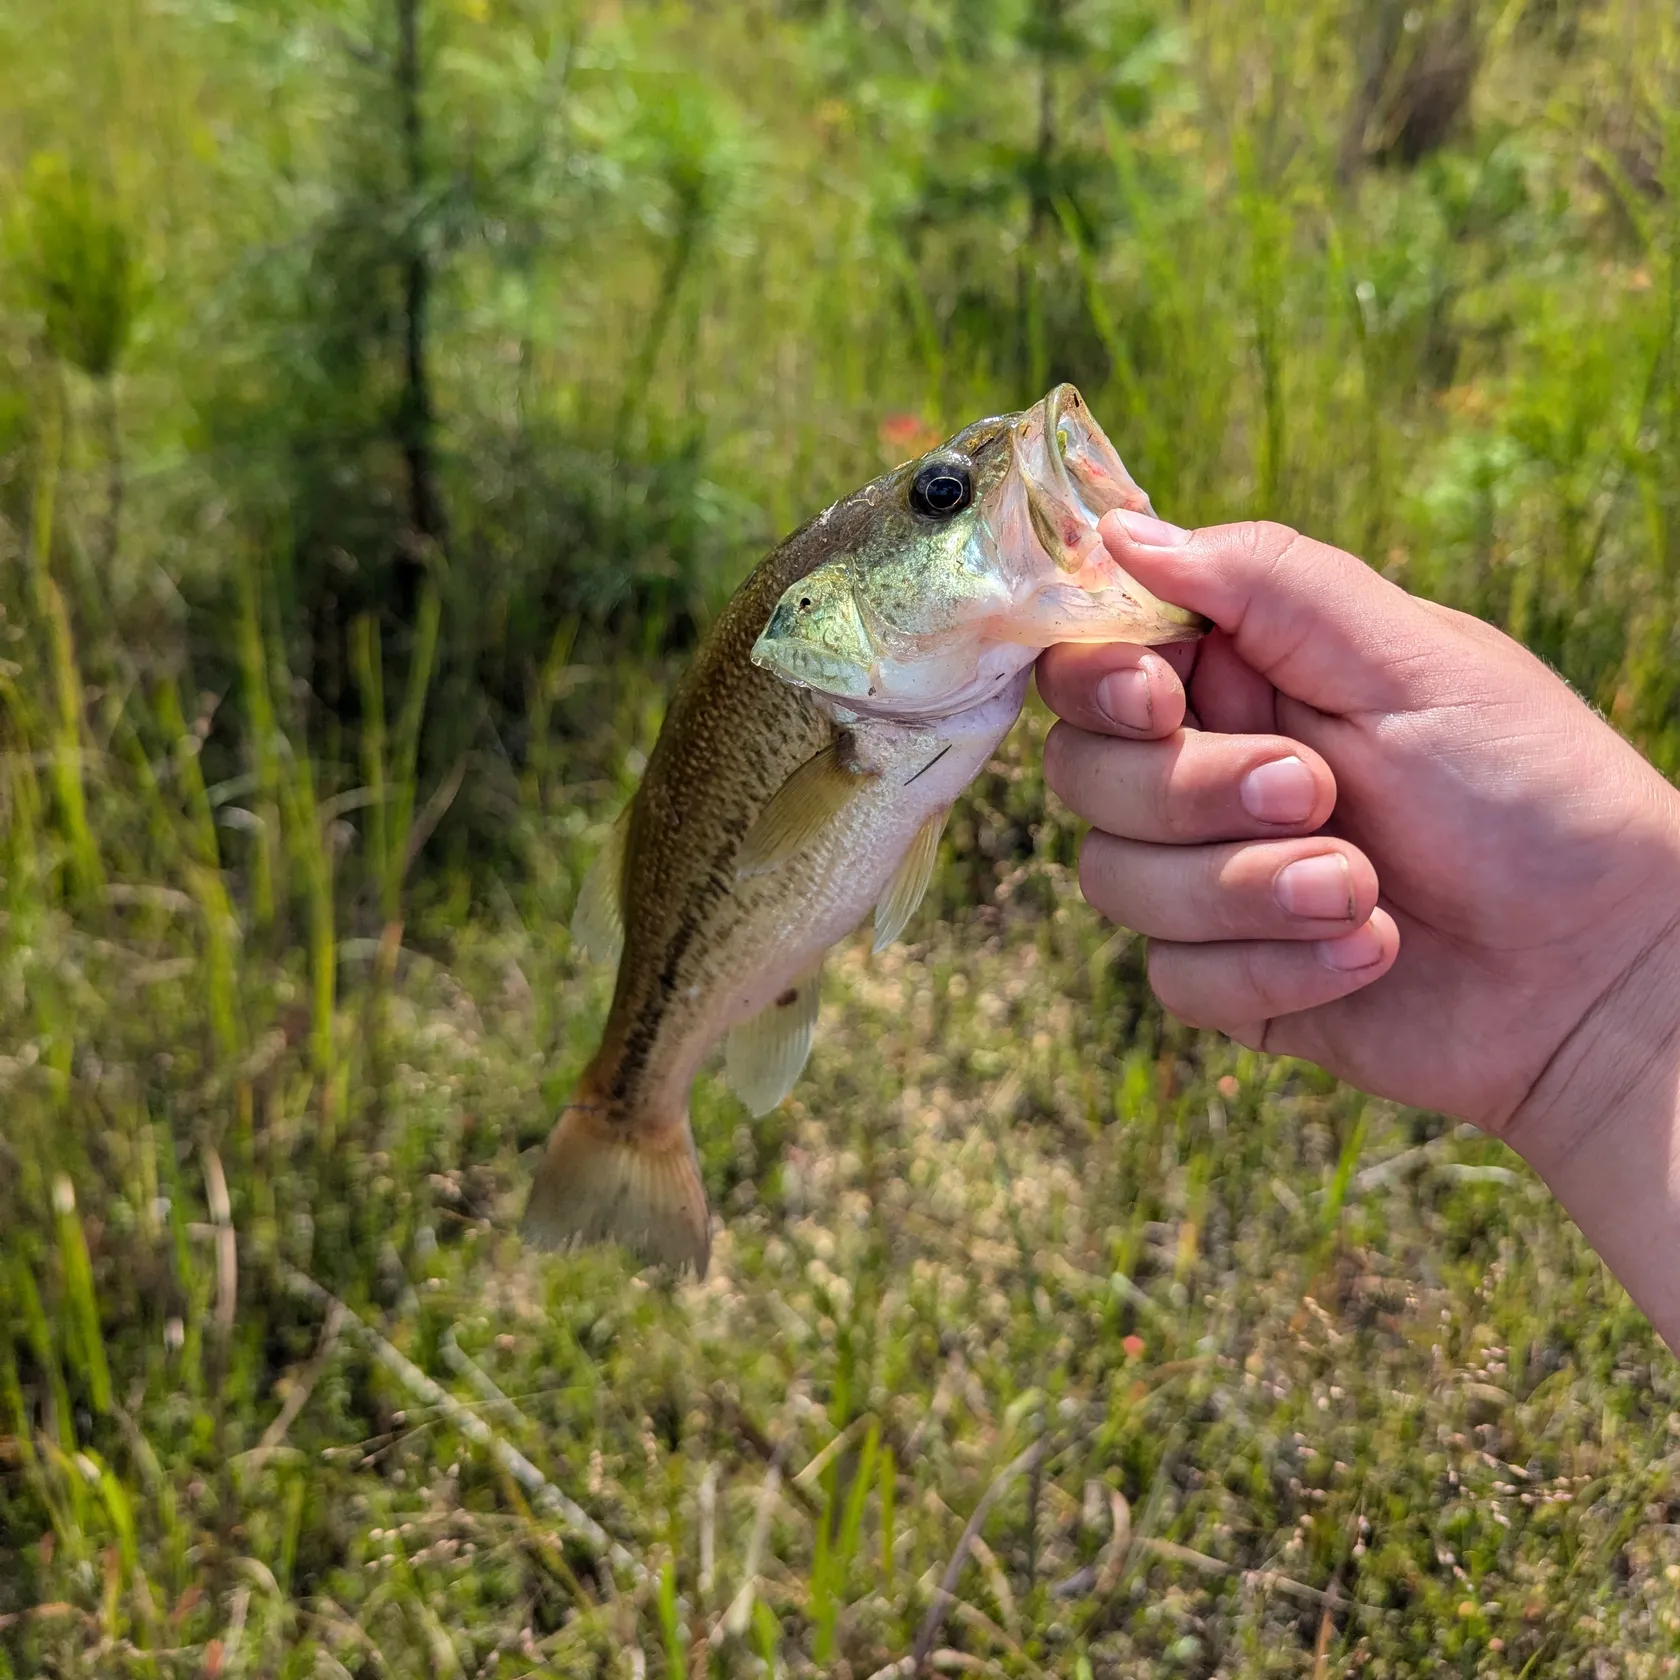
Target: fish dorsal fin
(598, 919)
(765, 1056)
(817, 792)
(910, 881)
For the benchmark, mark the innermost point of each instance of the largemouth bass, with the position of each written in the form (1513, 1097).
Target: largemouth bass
(855, 684)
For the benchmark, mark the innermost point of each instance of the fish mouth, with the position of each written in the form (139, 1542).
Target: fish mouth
(1072, 476)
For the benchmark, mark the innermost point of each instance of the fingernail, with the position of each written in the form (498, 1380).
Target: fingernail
(1148, 532)
(1318, 889)
(1280, 792)
(1353, 950)
(1123, 698)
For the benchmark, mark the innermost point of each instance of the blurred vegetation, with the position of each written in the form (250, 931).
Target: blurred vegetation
(390, 392)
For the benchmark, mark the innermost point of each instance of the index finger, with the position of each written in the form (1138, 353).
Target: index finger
(1115, 688)
(1317, 623)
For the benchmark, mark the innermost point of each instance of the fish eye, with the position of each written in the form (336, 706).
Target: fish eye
(941, 489)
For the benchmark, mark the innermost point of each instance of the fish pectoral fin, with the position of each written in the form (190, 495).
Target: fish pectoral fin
(598, 918)
(811, 798)
(909, 883)
(764, 1057)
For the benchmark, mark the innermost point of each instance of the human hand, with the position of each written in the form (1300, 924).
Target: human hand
(1391, 841)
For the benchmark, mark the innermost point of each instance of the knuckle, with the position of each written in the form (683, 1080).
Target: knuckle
(1281, 549)
(1162, 968)
(1271, 983)
(1172, 820)
(1220, 891)
(1270, 539)
(1172, 985)
(1236, 886)
(1112, 884)
(1259, 976)
(1096, 875)
(1172, 805)
(1057, 681)
(1058, 753)
(1260, 546)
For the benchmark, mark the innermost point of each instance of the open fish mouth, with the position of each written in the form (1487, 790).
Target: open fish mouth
(1072, 475)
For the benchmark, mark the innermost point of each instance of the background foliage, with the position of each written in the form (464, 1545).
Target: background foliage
(390, 391)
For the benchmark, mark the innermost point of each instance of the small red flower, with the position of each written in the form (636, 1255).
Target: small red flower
(1133, 1345)
(905, 435)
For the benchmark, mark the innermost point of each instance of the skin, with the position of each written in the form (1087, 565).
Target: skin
(1366, 830)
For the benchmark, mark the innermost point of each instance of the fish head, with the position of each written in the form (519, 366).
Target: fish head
(958, 568)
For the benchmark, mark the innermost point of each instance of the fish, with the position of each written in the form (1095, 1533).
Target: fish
(857, 681)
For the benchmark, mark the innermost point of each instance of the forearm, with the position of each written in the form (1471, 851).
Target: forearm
(1602, 1128)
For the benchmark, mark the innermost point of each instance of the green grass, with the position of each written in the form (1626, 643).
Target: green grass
(1220, 1369)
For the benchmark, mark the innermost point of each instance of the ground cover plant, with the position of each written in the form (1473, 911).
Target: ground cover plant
(389, 392)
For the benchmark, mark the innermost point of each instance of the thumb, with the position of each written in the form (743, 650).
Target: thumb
(1316, 622)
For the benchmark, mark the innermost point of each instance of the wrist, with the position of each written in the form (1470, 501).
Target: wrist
(1601, 1125)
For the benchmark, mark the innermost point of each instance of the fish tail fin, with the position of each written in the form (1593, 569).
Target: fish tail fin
(609, 1175)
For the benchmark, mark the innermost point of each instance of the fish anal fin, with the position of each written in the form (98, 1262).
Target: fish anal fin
(598, 917)
(605, 1178)
(909, 883)
(764, 1056)
(811, 798)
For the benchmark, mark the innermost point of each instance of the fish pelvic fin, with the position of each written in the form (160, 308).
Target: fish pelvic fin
(608, 1176)
(763, 1057)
